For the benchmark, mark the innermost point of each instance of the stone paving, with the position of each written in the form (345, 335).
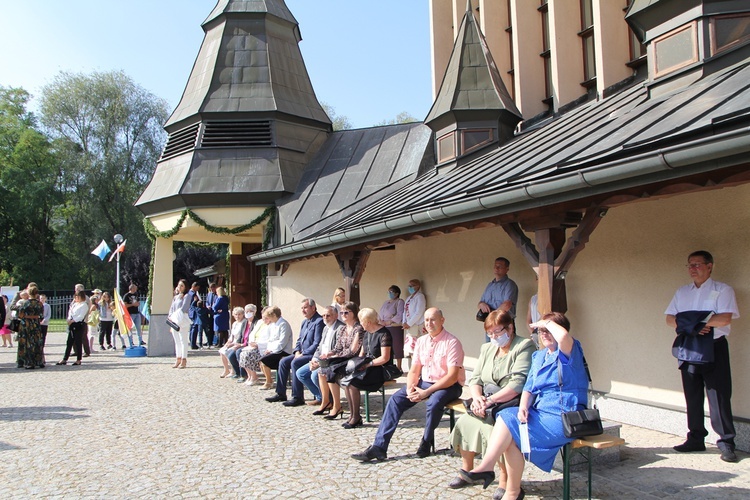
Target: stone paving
(121, 427)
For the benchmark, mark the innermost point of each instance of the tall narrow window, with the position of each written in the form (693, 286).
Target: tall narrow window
(546, 53)
(637, 49)
(587, 38)
(511, 71)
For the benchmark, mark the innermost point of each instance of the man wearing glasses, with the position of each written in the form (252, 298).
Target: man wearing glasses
(705, 294)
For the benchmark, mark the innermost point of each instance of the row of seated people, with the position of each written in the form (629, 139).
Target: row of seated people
(511, 383)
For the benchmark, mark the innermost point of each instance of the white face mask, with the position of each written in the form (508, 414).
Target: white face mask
(249, 315)
(502, 340)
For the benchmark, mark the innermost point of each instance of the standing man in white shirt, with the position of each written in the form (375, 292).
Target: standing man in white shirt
(705, 294)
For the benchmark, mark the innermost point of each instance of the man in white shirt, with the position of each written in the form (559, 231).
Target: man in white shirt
(705, 294)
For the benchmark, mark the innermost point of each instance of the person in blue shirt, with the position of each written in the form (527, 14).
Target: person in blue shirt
(502, 292)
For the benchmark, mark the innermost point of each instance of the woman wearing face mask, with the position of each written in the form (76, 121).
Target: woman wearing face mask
(504, 354)
(413, 321)
(391, 314)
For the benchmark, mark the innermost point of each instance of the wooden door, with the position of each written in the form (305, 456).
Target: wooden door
(246, 278)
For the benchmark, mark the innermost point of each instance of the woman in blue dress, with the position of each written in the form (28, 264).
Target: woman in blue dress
(221, 308)
(543, 401)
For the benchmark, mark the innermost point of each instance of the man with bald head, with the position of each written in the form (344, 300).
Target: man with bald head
(436, 376)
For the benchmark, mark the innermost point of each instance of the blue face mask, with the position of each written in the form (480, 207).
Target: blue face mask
(411, 289)
(391, 295)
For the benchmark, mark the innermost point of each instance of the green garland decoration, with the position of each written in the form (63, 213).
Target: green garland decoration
(153, 233)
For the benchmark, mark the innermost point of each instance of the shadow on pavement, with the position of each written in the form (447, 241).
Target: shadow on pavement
(19, 413)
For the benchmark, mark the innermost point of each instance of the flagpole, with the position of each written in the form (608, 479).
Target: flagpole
(118, 239)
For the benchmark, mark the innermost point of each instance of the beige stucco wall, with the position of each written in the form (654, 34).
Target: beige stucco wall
(624, 279)
(454, 284)
(618, 288)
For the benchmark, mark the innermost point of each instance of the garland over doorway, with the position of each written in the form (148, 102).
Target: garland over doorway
(152, 232)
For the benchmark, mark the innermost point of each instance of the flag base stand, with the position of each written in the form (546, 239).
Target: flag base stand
(135, 352)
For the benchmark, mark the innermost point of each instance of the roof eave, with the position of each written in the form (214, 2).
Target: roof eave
(699, 155)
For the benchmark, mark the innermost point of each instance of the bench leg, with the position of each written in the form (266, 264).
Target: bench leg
(566, 452)
(367, 406)
(588, 459)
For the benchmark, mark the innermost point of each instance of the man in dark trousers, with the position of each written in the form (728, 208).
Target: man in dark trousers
(210, 298)
(131, 302)
(705, 294)
(309, 337)
(195, 329)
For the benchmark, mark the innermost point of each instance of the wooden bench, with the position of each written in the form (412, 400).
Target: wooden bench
(452, 408)
(382, 395)
(581, 445)
(584, 446)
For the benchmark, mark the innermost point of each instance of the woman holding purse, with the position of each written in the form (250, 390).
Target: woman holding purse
(498, 378)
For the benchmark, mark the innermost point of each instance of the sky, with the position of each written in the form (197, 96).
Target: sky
(368, 59)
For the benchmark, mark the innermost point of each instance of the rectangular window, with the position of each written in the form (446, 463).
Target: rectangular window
(728, 31)
(511, 71)
(587, 38)
(446, 147)
(676, 49)
(474, 139)
(637, 49)
(546, 54)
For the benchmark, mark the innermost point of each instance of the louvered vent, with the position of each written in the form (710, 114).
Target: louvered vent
(226, 134)
(180, 142)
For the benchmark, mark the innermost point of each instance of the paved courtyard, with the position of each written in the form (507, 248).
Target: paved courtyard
(121, 427)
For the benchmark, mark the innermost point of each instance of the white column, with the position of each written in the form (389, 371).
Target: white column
(160, 341)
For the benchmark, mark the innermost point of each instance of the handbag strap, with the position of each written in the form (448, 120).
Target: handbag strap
(560, 381)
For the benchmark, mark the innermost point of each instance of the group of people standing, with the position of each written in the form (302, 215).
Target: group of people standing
(87, 319)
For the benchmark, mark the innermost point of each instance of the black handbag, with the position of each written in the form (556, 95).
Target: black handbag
(391, 372)
(491, 411)
(174, 326)
(580, 423)
(14, 325)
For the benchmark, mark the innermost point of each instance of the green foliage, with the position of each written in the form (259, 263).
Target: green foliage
(69, 178)
(29, 193)
(339, 122)
(402, 117)
(108, 134)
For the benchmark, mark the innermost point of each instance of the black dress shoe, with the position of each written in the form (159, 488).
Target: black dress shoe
(276, 398)
(294, 402)
(478, 477)
(370, 454)
(459, 482)
(352, 425)
(728, 456)
(689, 446)
(425, 447)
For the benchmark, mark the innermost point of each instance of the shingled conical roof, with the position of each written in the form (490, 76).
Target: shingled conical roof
(472, 88)
(249, 62)
(248, 121)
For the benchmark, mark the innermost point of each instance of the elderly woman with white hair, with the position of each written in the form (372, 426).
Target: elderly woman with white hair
(235, 338)
(233, 355)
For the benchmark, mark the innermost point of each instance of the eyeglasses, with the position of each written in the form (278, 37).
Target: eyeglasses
(346, 312)
(695, 265)
(542, 330)
(496, 332)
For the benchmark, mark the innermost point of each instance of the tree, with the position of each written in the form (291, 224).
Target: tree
(402, 117)
(29, 196)
(108, 134)
(339, 122)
